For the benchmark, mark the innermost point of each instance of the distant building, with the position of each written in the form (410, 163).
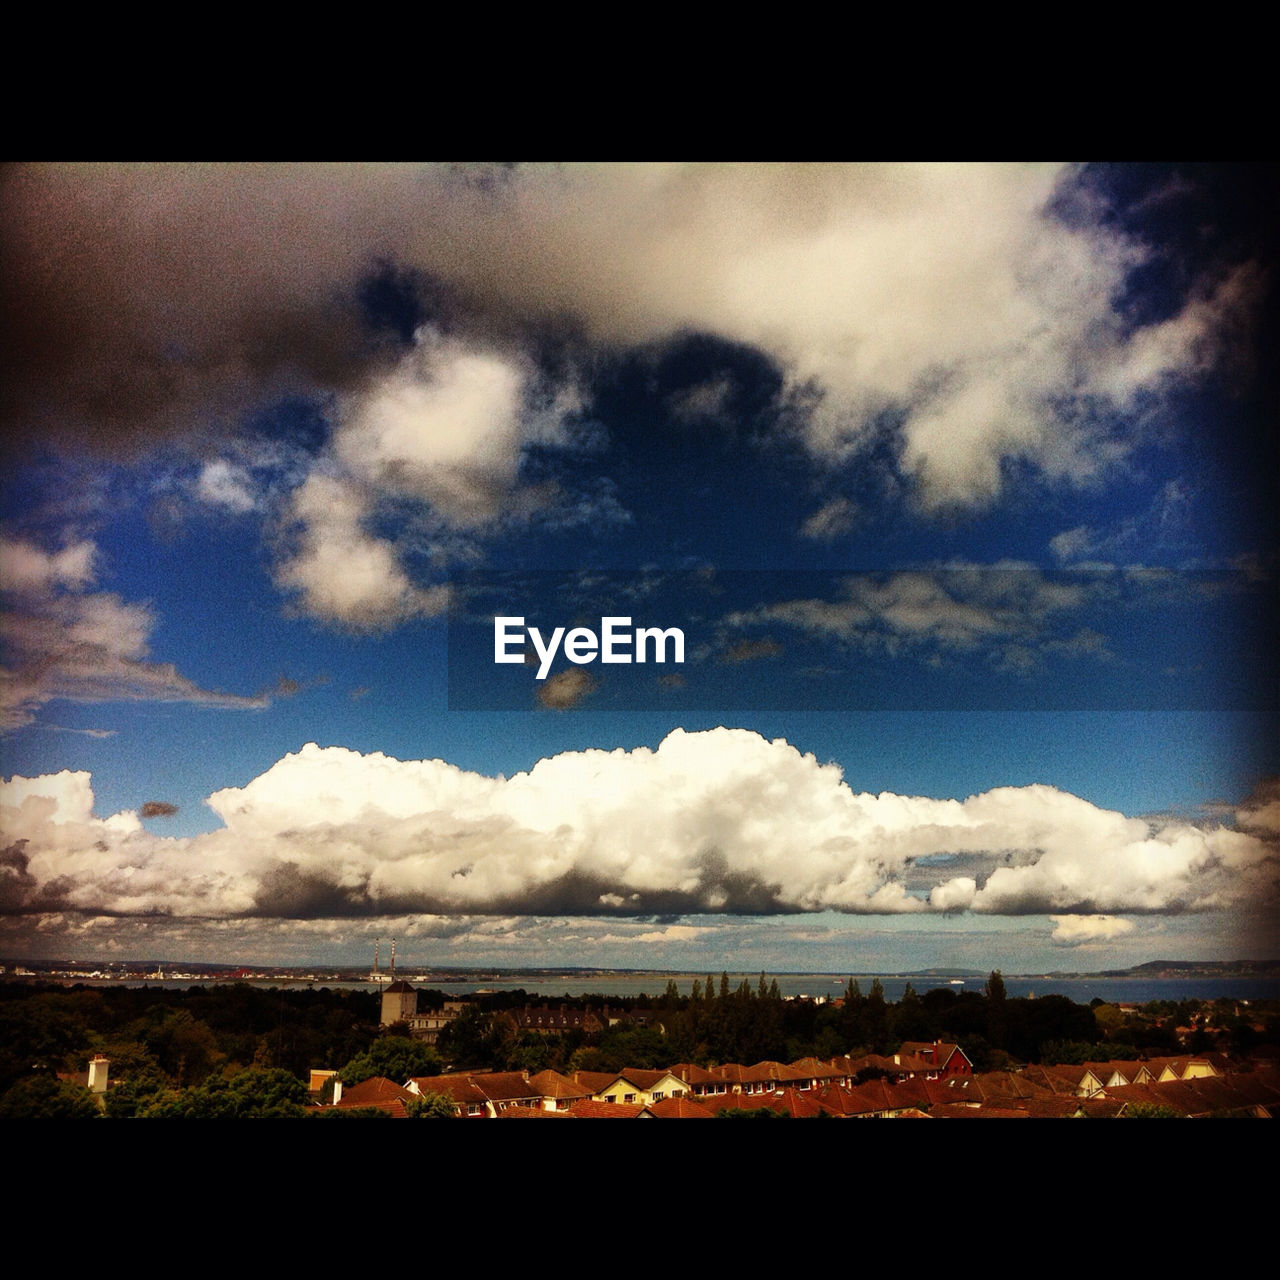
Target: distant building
(399, 1003)
(427, 1025)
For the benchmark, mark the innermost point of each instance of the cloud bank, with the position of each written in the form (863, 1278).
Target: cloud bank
(723, 821)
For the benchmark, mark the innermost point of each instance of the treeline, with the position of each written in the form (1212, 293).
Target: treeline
(750, 1022)
(239, 1050)
(162, 1042)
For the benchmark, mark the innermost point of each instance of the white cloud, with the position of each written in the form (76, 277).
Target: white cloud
(445, 429)
(26, 569)
(224, 484)
(1000, 608)
(1074, 931)
(65, 642)
(1163, 529)
(722, 820)
(831, 520)
(342, 572)
(444, 426)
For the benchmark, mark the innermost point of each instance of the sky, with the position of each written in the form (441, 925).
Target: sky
(957, 482)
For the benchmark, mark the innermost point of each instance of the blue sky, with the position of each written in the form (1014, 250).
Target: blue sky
(957, 480)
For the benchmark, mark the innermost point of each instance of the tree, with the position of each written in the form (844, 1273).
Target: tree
(1149, 1111)
(258, 1093)
(396, 1057)
(724, 985)
(997, 1010)
(910, 1019)
(185, 1047)
(432, 1106)
(46, 1097)
(876, 1018)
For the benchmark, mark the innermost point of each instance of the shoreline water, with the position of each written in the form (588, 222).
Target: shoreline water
(1080, 988)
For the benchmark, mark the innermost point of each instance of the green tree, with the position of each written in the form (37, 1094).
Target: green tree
(997, 1010)
(910, 1020)
(45, 1097)
(396, 1057)
(431, 1106)
(724, 985)
(474, 1039)
(258, 1093)
(185, 1047)
(876, 1018)
(1149, 1111)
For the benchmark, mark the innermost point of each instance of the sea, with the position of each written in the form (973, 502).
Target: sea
(818, 986)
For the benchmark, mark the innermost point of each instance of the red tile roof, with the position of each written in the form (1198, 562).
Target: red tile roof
(679, 1109)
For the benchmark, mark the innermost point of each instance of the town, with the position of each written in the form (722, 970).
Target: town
(722, 1051)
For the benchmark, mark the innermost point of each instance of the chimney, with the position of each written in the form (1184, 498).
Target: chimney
(98, 1073)
(337, 1090)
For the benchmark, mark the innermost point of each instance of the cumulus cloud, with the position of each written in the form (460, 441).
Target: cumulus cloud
(444, 426)
(63, 641)
(1075, 931)
(444, 430)
(340, 571)
(722, 821)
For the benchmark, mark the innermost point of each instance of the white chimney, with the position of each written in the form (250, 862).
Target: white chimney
(98, 1073)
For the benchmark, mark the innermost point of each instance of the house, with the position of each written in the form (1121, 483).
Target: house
(632, 1086)
(378, 1092)
(944, 1060)
(482, 1094)
(545, 1021)
(558, 1092)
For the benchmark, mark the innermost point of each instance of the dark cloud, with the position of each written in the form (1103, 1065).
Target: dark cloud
(566, 689)
(751, 651)
(158, 809)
